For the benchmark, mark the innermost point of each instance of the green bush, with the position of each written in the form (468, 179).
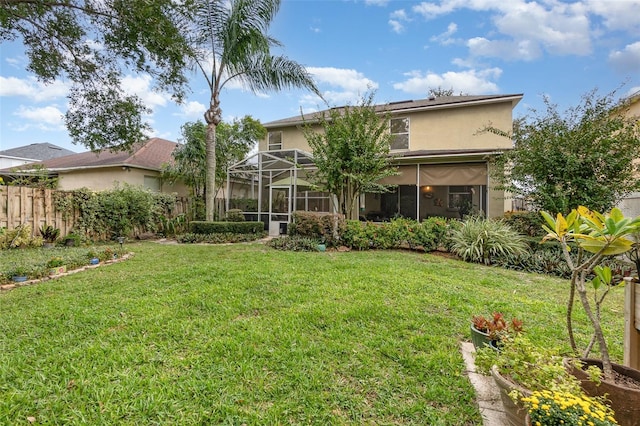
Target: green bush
(234, 215)
(483, 240)
(220, 237)
(19, 237)
(122, 211)
(525, 223)
(318, 226)
(204, 227)
(294, 243)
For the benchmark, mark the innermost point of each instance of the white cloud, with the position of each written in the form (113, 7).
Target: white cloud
(46, 118)
(192, 110)
(617, 15)
(471, 81)
(397, 19)
(445, 37)
(142, 87)
(347, 79)
(507, 49)
(344, 85)
(627, 59)
(32, 89)
(530, 27)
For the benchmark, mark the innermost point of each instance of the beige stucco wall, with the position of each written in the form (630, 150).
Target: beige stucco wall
(100, 179)
(447, 128)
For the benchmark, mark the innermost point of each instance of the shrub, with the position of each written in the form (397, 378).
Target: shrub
(234, 215)
(481, 240)
(321, 226)
(294, 243)
(220, 237)
(121, 211)
(525, 223)
(203, 227)
(19, 237)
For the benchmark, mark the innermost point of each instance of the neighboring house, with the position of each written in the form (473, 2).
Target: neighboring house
(441, 152)
(104, 169)
(19, 156)
(630, 205)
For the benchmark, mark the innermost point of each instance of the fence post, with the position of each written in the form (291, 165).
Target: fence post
(632, 324)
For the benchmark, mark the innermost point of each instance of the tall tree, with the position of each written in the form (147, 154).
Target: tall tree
(92, 43)
(351, 152)
(582, 157)
(231, 43)
(234, 141)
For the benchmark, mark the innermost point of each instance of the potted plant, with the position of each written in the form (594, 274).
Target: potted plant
(49, 234)
(93, 257)
(520, 368)
(566, 408)
(489, 331)
(596, 237)
(56, 266)
(19, 273)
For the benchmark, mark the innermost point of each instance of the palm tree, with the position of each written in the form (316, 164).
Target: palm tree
(230, 42)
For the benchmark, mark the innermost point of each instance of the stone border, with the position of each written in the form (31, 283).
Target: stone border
(13, 285)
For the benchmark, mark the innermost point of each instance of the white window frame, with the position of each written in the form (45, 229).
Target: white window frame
(271, 146)
(393, 135)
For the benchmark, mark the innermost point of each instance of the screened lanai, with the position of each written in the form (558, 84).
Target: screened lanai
(269, 186)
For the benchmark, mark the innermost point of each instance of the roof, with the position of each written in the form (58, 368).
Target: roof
(150, 155)
(432, 103)
(37, 151)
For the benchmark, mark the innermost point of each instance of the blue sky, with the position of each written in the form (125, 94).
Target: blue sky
(401, 49)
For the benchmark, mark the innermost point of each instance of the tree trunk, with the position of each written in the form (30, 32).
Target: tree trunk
(213, 117)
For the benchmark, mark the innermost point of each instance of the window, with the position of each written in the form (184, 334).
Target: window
(460, 197)
(275, 141)
(399, 133)
(152, 183)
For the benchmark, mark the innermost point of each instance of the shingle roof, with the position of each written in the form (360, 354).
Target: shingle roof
(37, 151)
(151, 155)
(409, 106)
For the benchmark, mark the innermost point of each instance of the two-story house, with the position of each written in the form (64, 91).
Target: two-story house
(439, 147)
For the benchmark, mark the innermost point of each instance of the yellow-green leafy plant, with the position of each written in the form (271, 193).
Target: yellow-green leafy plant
(548, 407)
(54, 262)
(596, 236)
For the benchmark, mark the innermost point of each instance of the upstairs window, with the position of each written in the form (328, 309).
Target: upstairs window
(399, 133)
(275, 141)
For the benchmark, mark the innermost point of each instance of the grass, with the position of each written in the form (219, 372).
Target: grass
(242, 334)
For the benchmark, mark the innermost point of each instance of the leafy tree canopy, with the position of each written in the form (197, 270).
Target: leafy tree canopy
(351, 152)
(91, 43)
(583, 156)
(234, 141)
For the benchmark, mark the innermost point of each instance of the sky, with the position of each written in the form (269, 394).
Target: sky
(400, 49)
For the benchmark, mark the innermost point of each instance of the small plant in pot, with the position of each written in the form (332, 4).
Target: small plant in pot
(521, 368)
(549, 407)
(49, 234)
(489, 331)
(597, 236)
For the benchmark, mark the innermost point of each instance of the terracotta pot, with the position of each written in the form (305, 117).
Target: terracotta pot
(625, 401)
(516, 412)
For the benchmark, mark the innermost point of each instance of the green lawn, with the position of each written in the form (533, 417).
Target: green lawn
(243, 334)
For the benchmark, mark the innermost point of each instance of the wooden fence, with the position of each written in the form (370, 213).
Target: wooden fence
(632, 325)
(36, 207)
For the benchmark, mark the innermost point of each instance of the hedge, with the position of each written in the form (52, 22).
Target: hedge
(203, 227)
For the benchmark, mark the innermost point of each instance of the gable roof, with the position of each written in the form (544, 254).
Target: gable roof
(431, 103)
(37, 151)
(150, 155)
